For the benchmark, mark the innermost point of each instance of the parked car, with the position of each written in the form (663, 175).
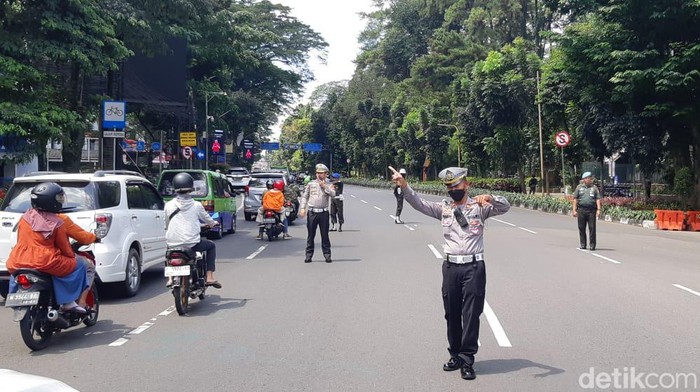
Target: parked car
(122, 206)
(213, 190)
(256, 187)
(239, 177)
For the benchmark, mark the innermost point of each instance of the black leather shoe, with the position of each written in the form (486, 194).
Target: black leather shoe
(451, 365)
(468, 372)
(307, 260)
(592, 246)
(583, 246)
(328, 258)
(340, 228)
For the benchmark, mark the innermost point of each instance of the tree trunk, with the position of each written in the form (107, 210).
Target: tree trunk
(73, 139)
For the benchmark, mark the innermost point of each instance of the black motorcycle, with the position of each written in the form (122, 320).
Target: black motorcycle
(272, 224)
(37, 311)
(188, 273)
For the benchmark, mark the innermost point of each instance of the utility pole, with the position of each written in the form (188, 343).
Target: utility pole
(206, 124)
(539, 117)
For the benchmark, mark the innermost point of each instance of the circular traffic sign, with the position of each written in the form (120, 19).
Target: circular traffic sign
(562, 139)
(187, 152)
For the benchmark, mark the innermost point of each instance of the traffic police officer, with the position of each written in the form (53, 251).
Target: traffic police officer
(463, 271)
(587, 206)
(398, 193)
(316, 198)
(337, 215)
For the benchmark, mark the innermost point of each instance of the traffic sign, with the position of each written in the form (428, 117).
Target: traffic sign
(187, 152)
(140, 145)
(117, 134)
(155, 146)
(269, 146)
(200, 155)
(216, 147)
(562, 139)
(347, 160)
(313, 147)
(114, 114)
(188, 139)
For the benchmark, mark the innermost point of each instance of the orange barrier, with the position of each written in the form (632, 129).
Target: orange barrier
(693, 222)
(669, 219)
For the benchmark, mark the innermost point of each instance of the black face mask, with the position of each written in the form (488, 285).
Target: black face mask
(457, 194)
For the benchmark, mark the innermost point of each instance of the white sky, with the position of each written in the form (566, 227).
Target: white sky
(339, 24)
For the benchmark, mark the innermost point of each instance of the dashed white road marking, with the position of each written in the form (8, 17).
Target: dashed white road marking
(686, 289)
(377, 208)
(496, 326)
(504, 222)
(167, 311)
(257, 252)
(409, 227)
(363, 201)
(118, 342)
(529, 231)
(435, 251)
(353, 196)
(140, 329)
(599, 256)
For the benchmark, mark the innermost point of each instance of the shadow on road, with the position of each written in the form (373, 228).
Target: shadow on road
(498, 366)
(214, 303)
(79, 337)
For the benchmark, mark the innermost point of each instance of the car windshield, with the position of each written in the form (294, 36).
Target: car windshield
(238, 172)
(165, 186)
(80, 196)
(260, 181)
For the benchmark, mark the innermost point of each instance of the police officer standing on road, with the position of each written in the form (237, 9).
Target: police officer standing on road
(587, 206)
(316, 198)
(398, 193)
(463, 271)
(337, 215)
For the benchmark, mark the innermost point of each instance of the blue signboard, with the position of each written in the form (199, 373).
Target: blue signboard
(314, 147)
(291, 146)
(140, 145)
(269, 146)
(114, 114)
(155, 146)
(200, 155)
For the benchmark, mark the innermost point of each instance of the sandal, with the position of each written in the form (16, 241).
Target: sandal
(214, 284)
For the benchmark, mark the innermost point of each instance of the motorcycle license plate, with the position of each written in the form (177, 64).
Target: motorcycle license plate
(269, 220)
(22, 299)
(181, 270)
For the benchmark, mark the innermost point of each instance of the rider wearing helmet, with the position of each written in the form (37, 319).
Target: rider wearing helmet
(273, 199)
(182, 221)
(42, 244)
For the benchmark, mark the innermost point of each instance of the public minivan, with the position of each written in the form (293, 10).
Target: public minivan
(213, 190)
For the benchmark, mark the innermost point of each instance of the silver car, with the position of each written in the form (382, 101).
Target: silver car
(256, 187)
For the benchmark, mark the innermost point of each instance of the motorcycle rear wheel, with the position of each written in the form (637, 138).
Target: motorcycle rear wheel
(36, 329)
(93, 304)
(182, 296)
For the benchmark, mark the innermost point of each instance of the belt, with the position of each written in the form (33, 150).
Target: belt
(465, 259)
(318, 210)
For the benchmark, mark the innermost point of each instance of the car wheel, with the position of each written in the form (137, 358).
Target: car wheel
(248, 216)
(4, 288)
(218, 234)
(132, 281)
(233, 225)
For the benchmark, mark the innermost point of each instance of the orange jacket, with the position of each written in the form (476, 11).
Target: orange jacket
(273, 200)
(76, 232)
(52, 255)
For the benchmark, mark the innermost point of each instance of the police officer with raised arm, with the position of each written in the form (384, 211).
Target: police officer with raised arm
(464, 269)
(316, 199)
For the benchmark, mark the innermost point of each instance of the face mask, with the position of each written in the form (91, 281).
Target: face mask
(457, 194)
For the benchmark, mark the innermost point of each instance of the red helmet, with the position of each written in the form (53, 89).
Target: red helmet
(279, 185)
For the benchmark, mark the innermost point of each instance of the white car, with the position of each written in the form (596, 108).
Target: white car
(13, 381)
(122, 207)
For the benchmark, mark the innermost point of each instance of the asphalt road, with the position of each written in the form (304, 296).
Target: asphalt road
(557, 318)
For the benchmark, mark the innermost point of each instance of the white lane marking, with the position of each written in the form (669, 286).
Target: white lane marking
(686, 289)
(353, 196)
(363, 201)
(606, 258)
(529, 231)
(257, 252)
(504, 222)
(377, 208)
(392, 217)
(118, 342)
(435, 251)
(141, 328)
(496, 326)
(409, 228)
(167, 311)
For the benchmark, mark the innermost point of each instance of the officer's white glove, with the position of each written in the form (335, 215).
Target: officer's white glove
(340, 197)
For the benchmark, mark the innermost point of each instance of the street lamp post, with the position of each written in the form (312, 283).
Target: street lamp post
(459, 143)
(206, 124)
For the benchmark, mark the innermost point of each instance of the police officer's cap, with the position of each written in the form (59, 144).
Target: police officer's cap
(586, 175)
(402, 171)
(321, 168)
(453, 175)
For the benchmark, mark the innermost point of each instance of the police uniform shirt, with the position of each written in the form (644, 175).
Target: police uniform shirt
(587, 195)
(459, 240)
(315, 196)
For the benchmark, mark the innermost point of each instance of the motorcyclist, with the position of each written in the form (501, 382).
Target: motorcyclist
(274, 200)
(182, 221)
(42, 244)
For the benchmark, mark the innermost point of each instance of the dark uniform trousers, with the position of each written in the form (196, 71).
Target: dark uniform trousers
(337, 211)
(313, 220)
(399, 204)
(463, 293)
(586, 216)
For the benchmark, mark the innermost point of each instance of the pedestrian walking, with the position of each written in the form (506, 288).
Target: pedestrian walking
(464, 269)
(533, 185)
(316, 199)
(398, 193)
(337, 203)
(587, 206)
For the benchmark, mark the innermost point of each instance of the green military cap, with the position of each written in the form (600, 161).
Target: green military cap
(453, 175)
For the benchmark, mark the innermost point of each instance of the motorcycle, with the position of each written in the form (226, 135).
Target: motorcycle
(291, 210)
(272, 224)
(36, 309)
(188, 273)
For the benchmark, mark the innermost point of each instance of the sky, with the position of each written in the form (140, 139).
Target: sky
(339, 24)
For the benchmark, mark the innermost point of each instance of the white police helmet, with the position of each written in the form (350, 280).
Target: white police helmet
(402, 171)
(321, 168)
(453, 175)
